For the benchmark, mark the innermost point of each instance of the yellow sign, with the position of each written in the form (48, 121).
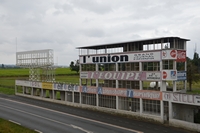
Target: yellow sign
(47, 85)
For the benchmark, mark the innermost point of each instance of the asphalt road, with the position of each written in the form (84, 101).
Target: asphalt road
(49, 117)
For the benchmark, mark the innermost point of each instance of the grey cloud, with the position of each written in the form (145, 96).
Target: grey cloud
(93, 6)
(94, 32)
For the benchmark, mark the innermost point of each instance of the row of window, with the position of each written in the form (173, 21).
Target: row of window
(146, 66)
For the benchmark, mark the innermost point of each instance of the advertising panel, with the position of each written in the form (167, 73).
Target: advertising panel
(181, 56)
(123, 57)
(112, 91)
(181, 75)
(84, 75)
(88, 89)
(122, 75)
(66, 87)
(23, 83)
(181, 98)
(46, 85)
(169, 54)
(146, 94)
(133, 93)
(113, 75)
(36, 84)
(153, 76)
(169, 75)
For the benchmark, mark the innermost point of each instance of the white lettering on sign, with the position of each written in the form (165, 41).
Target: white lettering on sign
(115, 92)
(181, 56)
(185, 98)
(114, 75)
(153, 95)
(181, 98)
(153, 76)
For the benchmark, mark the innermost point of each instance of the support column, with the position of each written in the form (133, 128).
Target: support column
(117, 99)
(141, 88)
(162, 110)
(170, 110)
(141, 106)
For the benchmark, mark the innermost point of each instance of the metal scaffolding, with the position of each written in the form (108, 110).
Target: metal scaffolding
(40, 64)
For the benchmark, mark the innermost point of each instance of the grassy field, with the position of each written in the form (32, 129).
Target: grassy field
(9, 127)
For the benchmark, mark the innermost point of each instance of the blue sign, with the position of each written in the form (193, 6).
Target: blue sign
(84, 89)
(99, 90)
(181, 75)
(129, 93)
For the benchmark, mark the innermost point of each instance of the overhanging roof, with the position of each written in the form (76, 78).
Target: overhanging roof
(145, 41)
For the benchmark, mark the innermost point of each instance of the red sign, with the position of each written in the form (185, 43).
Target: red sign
(181, 56)
(173, 53)
(164, 75)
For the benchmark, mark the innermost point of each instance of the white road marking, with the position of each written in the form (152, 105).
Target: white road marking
(38, 131)
(15, 122)
(81, 129)
(119, 127)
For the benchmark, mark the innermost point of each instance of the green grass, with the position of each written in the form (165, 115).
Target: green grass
(9, 127)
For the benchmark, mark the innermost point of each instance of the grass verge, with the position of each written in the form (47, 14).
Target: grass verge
(9, 127)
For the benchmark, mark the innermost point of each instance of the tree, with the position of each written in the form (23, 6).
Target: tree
(2, 66)
(74, 66)
(192, 73)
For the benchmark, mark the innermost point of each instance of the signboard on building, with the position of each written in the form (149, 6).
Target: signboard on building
(178, 55)
(46, 85)
(124, 57)
(153, 76)
(111, 75)
(169, 54)
(146, 94)
(133, 93)
(181, 98)
(112, 91)
(23, 83)
(169, 75)
(181, 75)
(27, 83)
(181, 56)
(88, 89)
(66, 87)
(122, 75)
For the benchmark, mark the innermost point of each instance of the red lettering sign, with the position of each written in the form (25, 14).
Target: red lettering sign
(164, 75)
(181, 56)
(173, 53)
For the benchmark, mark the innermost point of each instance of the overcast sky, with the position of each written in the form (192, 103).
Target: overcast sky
(63, 25)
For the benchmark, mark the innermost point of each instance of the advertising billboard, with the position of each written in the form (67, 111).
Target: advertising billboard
(121, 75)
(181, 75)
(169, 75)
(181, 98)
(123, 57)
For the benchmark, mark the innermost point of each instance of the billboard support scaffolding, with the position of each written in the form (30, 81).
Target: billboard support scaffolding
(40, 64)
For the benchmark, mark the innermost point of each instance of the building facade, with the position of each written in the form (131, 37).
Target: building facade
(145, 78)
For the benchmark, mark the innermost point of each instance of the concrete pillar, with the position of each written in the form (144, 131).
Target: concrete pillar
(117, 99)
(141, 106)
(97, 100)
(34, 91)
(42, 93)
(170, 110)
(73, 96)
(174, 86)
(162, 110)
(62, 95)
